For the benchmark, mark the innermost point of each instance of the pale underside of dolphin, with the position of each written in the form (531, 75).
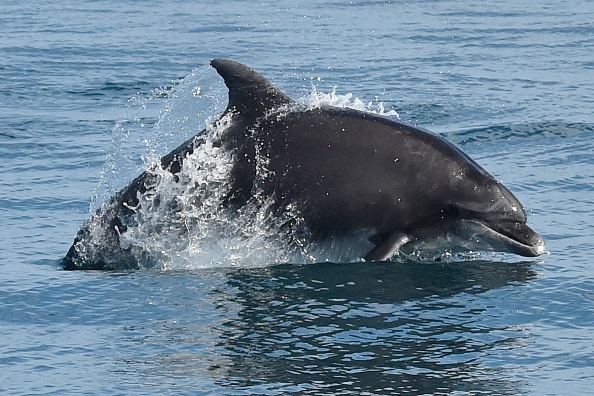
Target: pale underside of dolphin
(345, 171)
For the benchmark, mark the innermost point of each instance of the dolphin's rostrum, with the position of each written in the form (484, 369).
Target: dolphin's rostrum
(345, 172)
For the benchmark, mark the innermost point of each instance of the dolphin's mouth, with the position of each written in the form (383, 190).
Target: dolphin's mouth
(508, 236)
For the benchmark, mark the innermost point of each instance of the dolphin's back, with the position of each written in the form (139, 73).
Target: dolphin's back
(358, 170)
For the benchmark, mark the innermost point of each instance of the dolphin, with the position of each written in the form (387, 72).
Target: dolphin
(344, 171)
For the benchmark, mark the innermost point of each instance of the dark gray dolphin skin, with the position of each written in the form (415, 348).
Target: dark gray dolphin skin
(346, 171)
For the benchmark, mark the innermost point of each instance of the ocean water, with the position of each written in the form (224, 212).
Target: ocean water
(92, 91)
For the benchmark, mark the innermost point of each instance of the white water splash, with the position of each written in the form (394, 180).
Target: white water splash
(152, 124)
(178, 214)
(318, 99)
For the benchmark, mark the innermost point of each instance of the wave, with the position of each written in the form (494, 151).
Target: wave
(520, 131)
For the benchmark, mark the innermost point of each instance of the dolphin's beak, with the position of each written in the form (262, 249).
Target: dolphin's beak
(510, 236)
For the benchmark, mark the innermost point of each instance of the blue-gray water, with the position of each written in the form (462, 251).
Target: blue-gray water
(83, 86)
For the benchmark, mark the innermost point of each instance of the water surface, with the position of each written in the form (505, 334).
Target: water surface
(86, 95)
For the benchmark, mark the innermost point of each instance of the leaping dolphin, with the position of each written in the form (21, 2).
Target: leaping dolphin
(345, 171)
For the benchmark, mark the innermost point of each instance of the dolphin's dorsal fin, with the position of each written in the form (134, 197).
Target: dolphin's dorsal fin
(249, 92)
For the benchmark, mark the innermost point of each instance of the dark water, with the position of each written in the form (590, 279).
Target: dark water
(89, 89)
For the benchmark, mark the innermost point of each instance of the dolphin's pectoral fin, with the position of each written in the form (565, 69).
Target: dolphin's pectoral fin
(387, 247)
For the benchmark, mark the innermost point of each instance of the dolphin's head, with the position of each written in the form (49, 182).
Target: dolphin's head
(492, 218)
